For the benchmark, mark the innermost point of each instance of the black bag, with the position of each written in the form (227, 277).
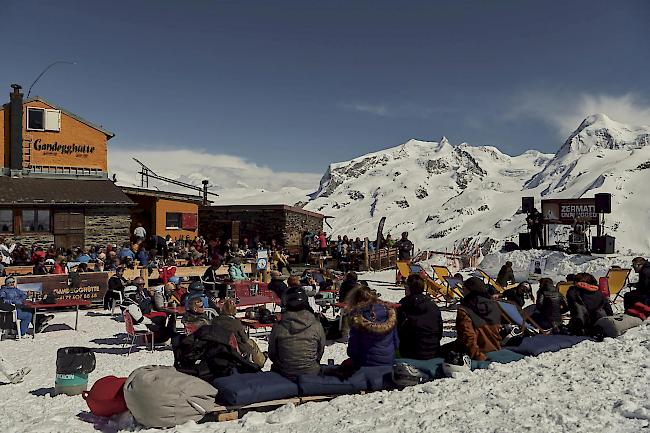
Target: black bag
(265, 316)
(331, 328)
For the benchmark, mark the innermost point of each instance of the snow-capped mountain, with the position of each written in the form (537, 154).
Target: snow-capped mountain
(450, 196)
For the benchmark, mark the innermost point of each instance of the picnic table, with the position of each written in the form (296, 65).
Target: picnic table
(255, 324)
(249, 301)
(61, 303)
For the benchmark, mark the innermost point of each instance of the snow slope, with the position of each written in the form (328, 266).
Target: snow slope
(591, 387)
(450, 195)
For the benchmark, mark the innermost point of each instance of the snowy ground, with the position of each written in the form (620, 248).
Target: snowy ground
(592, 387)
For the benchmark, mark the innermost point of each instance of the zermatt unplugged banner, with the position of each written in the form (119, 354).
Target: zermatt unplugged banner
(568, 211)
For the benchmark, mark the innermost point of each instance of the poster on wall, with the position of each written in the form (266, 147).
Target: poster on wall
(536, 268)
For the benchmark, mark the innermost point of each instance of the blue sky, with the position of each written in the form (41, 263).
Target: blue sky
(295, 85)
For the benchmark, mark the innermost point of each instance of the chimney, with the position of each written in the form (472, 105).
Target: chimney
(16, 128)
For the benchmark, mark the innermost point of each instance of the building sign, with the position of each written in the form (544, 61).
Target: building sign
(561, 211)
(88, 285)
(79, 150)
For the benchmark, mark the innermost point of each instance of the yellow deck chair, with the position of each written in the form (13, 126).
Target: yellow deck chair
(441, 272)
(617, 280)
(563, 287)
(403, 267)
(491, 281)
(442, 292)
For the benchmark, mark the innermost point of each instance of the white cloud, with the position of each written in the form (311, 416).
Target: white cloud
(566, 112)
(230, 176)
(377, 110)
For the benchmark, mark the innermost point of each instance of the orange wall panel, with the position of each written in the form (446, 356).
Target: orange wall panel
(73, 132)
(163, 206)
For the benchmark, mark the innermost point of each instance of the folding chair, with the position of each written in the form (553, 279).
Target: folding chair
(131, 332)
(211, 313)
(403, 270)
(9, 322)
(617, 280)
(514, 315)
(563, 287)
(491, 281)
(441, 272)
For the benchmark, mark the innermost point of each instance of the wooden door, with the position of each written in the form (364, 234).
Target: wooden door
(69, 229)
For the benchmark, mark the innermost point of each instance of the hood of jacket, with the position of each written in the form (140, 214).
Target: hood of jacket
(296, 322)
(416, 304)
(375, 318)
(483, 306)
(587, 287)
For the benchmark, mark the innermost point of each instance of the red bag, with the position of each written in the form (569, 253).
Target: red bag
(603, 286)
(106, 397)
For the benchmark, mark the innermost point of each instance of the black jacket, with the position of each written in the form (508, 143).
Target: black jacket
(346, 288)
(278, 287)
(116, 284)
(419, 326)
(218, 288)
(551, 304)
(513, 295)
(586, 307)
(505, 274)
(644, 279)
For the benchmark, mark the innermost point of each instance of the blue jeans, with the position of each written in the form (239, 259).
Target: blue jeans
(25, 318)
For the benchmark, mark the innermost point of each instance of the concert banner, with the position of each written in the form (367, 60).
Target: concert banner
(568, 211)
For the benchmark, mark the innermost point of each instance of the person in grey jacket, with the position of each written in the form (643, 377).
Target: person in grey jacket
(297, 342)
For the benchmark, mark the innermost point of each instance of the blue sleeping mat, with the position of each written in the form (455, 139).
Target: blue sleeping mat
(243, 389)
(365, 379)
(433, 366)
(533, 346)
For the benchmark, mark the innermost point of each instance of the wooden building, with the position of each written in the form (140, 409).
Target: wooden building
(165, 213)
(54, 185)
(285, 224)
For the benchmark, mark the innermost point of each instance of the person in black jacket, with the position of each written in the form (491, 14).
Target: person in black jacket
(115, 284)
(518, 294)
(506, 275)
(642, 293)
(215, 287)
(587, 304)
(347, 285)
(277, 284)
(550, 306)
(419, 322)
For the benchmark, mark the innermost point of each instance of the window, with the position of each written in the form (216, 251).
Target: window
(6, 221)
(36, 220)
(41, 119)
(173, 220)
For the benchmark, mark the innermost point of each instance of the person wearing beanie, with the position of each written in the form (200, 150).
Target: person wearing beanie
(297, 341)
(478, 321)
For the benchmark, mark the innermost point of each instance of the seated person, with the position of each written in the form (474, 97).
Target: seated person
(517, 295)
(215, 284)
(350, 281)
(162, 295)
(115, 284)
(297, 341)
(277, 284)
(550, 306)
(419, 322)
(587, 304)
(12, 298)
(142, 297)
(247, 346)
(641, 293)
(195, 313)
(478, 321)
(235, 270)
(506, 275)
(196, 289)
(373, 330)
(162, 325)
(39, 267)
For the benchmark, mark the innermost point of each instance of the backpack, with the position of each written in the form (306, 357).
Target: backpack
(159, 396)
(106, 397)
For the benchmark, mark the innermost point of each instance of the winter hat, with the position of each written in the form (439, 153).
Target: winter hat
(10, 280)
(106, 397)
(295, 299)
(475, 284)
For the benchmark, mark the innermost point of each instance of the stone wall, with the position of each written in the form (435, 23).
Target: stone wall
(104, 226)
(285, 226)
(28, 239)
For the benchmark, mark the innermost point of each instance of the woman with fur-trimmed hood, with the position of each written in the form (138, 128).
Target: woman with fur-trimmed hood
(373, 329)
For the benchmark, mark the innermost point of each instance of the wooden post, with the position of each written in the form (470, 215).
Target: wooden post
(145, 276)
(366, 258)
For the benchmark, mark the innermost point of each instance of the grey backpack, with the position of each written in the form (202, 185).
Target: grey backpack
(159, 396)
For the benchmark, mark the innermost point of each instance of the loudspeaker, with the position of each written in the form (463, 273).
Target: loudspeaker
(524, 241)
(527, 204)
(602, 244)
(603, 202)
